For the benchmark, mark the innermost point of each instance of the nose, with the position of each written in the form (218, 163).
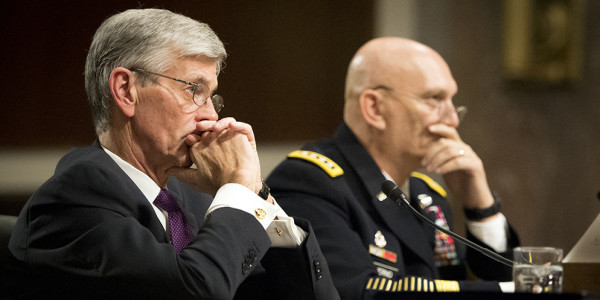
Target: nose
(207, 112)
(449, 114)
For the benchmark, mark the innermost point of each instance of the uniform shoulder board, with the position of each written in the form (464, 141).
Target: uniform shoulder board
(320, 160)
(431, 183)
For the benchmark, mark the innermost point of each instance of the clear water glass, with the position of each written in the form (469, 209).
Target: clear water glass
(538, 270)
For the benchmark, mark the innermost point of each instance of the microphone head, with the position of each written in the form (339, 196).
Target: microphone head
(390, 189)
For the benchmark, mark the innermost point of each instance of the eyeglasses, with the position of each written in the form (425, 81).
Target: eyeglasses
(199, 91)
(436, 105)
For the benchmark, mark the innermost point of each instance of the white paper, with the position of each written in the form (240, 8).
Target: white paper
(587, 249)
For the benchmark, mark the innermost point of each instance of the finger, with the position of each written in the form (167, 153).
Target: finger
(223, 124)
(460, 157)
(434, 150)
(447, 156)
(245, 129)
(444, 131)
(464, 160)
(437, 157)
(205, 125)
(451, 164)
(192, 139)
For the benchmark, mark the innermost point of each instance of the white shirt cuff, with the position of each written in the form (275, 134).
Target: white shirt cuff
(283, 232)
(507, 287)
(493, 232)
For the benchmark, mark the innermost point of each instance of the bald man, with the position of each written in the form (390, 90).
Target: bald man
(398, 118)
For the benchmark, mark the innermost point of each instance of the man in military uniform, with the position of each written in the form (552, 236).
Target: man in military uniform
(398, 118)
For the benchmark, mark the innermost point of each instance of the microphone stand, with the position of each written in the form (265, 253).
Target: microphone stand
(396, 194)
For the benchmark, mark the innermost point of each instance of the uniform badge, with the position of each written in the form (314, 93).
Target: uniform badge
(381, 196)
(380, 239)
(383, 253)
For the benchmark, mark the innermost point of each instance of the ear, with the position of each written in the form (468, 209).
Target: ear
(122, 90)
(372, 108)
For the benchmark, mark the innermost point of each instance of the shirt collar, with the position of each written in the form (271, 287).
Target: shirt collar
(148, 187)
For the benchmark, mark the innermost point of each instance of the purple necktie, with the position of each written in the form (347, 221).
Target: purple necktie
(180, 230)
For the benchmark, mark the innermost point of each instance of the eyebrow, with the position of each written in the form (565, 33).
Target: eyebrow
(436, 92)
(199, 80)
(202, 80)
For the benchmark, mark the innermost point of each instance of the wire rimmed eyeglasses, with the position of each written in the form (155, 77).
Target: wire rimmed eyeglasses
(200, 91)
(460, 110)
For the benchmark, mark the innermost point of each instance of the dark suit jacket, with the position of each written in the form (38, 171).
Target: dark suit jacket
(90, 233)
(367, 239)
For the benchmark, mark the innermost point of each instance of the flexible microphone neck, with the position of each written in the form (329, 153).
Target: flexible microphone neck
(395, 193)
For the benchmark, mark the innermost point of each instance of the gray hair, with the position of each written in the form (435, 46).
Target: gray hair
(150, 39)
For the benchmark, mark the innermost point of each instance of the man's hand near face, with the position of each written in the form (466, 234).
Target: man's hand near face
(224, 152)
(460, 166)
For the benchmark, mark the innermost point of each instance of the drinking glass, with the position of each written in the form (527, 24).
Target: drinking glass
(538, 269)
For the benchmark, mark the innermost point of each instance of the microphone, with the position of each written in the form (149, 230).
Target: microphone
(395, 193)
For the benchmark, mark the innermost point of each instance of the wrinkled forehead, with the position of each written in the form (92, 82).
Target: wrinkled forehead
(197, 69)
(422, 71)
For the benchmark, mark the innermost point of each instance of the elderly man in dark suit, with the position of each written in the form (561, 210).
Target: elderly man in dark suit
(127, 217)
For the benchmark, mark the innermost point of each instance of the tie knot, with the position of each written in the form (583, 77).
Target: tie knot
(166, 201)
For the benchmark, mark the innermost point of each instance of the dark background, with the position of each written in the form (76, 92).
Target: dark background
(286, 64)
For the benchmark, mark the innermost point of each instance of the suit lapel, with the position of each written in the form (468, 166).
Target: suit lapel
(140, 208)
